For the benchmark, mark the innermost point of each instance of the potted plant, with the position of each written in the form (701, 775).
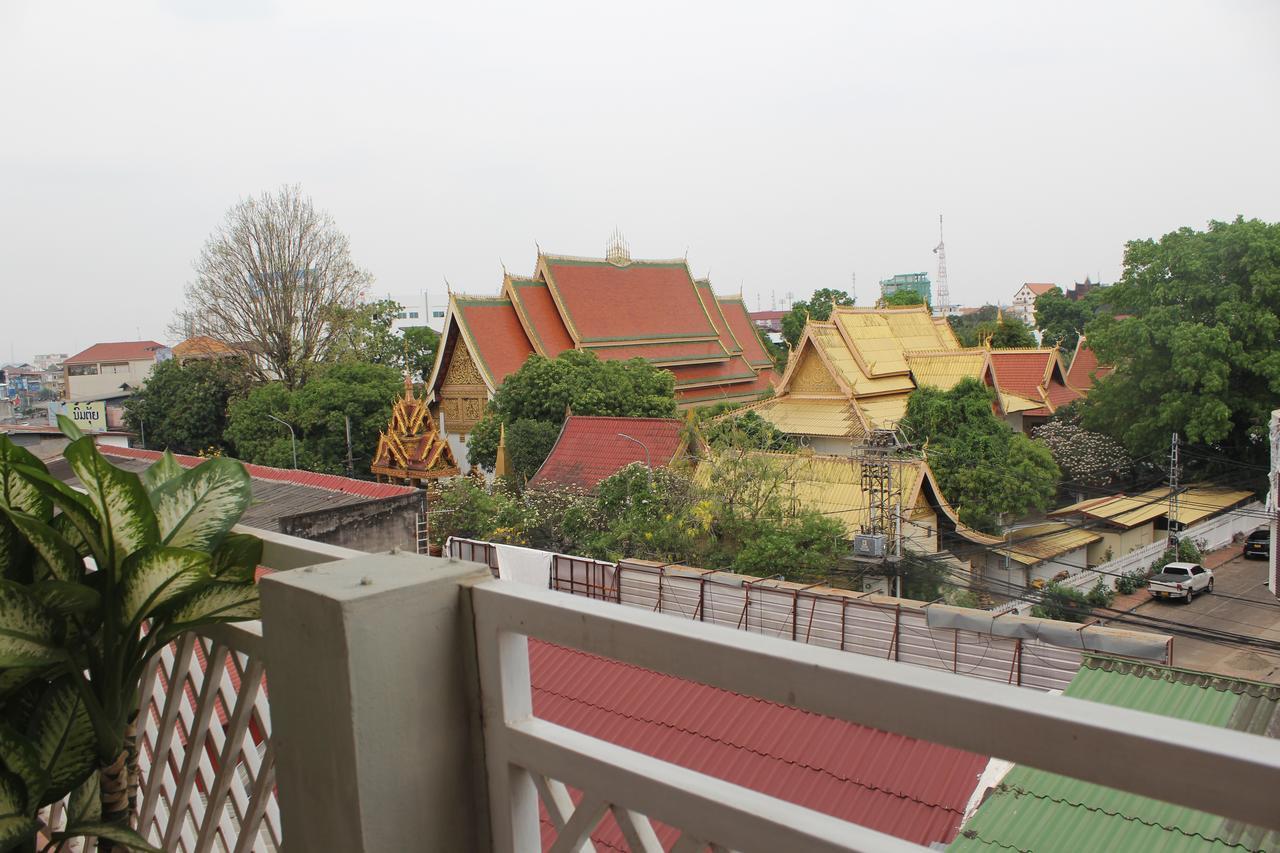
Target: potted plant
(92, 584)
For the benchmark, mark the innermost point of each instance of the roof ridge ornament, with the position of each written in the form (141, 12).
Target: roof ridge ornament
(617, 251)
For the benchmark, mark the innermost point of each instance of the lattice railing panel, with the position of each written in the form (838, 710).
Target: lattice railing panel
(205, 753)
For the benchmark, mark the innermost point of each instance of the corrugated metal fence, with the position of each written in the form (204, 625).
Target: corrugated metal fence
(856, 622)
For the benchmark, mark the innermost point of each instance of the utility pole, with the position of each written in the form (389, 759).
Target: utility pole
(351, 465)
(1173, 491)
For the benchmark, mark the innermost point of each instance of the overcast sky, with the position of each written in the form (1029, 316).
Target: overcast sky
(783, 146)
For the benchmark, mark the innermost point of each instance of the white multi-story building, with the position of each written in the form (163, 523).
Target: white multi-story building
(1024, 301)
(420, 308)
(49, 359)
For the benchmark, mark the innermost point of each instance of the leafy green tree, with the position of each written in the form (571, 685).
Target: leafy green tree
(1063, 603)
(984, 469)
(1060, 319)
(1198, 350)
(804, 548)
(747, 430)
(183, 407)
(368, 335)
(542, 389)
(966, 326)
(902, 298)
(816, 307)
(318, 413)
(421, 343)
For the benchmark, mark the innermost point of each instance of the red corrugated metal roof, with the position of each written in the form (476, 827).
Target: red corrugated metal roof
(117, 351)
(329, 482)
(643, 300)
(908, 788)
(589, 449)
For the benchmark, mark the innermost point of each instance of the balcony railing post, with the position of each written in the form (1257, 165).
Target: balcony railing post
(374, 704)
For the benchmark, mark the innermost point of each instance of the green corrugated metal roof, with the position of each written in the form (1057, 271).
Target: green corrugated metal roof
(1046, 812)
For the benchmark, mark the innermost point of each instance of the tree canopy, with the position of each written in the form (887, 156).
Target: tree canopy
(368, 335)
(985, 470)
(902, 298)
(277, 276)
(317, 412)
(1197, 348)
(542, 389)
(1063, 320)
(816, 307)
(183, 406)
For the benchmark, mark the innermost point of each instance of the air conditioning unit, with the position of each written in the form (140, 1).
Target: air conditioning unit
(868, 545)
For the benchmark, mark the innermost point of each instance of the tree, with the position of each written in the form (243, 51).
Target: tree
(985, 470)
(1198, 349)
(421, 343)
(1086, 458)
(276, 276)
(1060, 319)
(183, 406)
(318, 413)
(542, 389)
(903, 298)
(817, 307)
(366, 333)
(966, 326)
(747, 430)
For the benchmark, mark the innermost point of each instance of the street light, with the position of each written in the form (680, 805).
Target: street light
(648, 464)
(293, 439)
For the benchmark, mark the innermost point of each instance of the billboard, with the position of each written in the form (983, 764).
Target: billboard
(89, 415)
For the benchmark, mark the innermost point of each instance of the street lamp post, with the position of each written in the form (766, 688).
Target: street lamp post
(648, 463)
(293, 439)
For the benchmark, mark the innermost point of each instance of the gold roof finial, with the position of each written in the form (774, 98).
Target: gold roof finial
(616, 251)
(502, 465)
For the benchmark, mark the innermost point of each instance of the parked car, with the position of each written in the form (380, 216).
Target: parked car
(1181, 580)
(1259, 543)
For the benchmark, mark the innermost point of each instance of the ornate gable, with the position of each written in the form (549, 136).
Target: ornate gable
(411, 448)
(811, 376)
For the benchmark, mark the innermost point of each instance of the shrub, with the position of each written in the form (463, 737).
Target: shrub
(1062, 602)
(1100, 595)
(1186, 552)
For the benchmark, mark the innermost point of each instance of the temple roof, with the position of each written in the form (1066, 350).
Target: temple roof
(1085, 370)
(591, 449)
(411, 448)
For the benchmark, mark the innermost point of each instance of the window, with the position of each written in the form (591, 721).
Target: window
(1197, 570)
(439, 312)
(413, 315)
(82, 369)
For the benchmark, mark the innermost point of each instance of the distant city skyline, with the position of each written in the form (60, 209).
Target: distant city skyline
(782, 148)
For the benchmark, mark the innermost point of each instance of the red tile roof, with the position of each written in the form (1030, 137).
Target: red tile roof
(645, 299)
(1085, 370)
(669, 353)
(745, 332)
(716, 371)
(534, 300)
(499, 340)
(117, 351)
(716, 312)
(589, 449)
(1021, 371)
(1039, 289)
(329, 482)
(908, 788)
(718, 393)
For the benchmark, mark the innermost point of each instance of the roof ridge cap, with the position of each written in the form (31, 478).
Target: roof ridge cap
(550, 256)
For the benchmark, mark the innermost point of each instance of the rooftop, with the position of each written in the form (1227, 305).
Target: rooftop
(117, 351)
(591, 449)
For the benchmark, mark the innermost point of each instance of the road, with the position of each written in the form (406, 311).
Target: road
(1257, 615)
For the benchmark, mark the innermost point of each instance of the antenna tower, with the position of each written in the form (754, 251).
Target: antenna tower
(1175, 469)
(942, 296)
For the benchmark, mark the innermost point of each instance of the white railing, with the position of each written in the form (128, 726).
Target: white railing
(1212, 534)
(531, 760)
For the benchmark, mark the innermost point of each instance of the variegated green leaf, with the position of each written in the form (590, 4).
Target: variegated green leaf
(66, 597)
(217, 602)
(161, 471)
(76, 507)
(62, 734)
(27, 629)
(238, 557)
(111, 832)
(16, 828)
(128, 522)
(157, 576)
(60, 558)
(198, 508)
(21, 758)
(66, 528)
(85, 803)
(69, 428)
(16, 489)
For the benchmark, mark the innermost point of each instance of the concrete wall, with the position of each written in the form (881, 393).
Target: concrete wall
(372, 526)
(1120, 542)
(107, 382)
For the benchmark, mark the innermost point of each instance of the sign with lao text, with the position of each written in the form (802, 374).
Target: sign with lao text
(89, 415)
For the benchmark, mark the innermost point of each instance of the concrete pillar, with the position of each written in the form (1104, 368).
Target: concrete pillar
(374, 704)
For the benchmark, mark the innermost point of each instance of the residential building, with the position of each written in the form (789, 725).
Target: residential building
(49, 359)
(1037, 554)
(770, 322)
(1031, 809)
(111, 370)
(916, 282)
(1024, 301)
(23, 382)
(617, 308)
(420, 308)
(590, 449)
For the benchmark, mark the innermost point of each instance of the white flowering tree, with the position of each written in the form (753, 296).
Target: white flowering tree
(1087, 459)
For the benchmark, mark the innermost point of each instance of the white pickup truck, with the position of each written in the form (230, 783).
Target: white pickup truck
(1181, 580)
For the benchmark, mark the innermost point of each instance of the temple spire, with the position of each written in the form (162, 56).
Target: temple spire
(502, 465)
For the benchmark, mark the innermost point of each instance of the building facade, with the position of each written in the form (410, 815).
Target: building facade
(1024, 301)
(420, 308)
(108, 370)
(915, 282)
